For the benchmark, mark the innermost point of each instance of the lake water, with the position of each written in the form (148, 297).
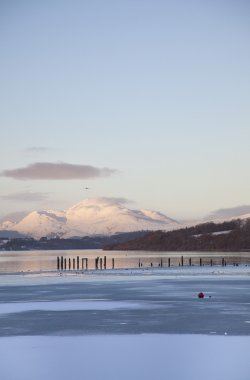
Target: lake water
(33, 261)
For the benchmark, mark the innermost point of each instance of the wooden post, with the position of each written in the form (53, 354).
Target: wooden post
(69, 263)
(58, 263)
(105, 262)
(78, 262)
(65, 264)
(169, 261)
(74, 263)
(82, 264)
(200, 262)
(139, 263)
(100, 263)
(87, 263)
(96, 262)
(113, 263)
(222, 262)
(61, 262)
(211, 262)
(161, 263)
(190, 261)
(182, 261)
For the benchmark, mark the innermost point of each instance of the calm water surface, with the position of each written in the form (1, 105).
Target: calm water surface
(25, 261)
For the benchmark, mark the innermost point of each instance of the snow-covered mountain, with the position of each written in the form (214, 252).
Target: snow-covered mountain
(95, 216)
(42, 223)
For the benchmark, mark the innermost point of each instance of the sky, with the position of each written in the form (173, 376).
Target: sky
(145, 100)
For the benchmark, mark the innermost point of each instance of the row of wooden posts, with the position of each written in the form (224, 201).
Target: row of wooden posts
(101, 263)
(181, 263)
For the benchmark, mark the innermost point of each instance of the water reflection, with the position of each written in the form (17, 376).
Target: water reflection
(25, 261)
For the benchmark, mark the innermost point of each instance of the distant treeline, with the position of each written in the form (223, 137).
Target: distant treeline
(227, 236)
(86, 242)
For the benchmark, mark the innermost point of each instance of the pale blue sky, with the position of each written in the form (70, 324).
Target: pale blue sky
(158, 90)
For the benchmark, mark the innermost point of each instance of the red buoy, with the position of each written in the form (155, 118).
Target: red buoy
(201, 295)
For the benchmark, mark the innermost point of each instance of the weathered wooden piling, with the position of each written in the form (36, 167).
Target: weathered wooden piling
(74, 263)
(61, 262)
(65, 263)
(96, 262)
(87, 263)
(105, 262)
(100, 263)
(78, 263)
(113, 263)
(223, 262)
(190, 261)
(69, 263)
(211, 262)
(182, 261)
(161, 264)
(169, 261)
(139, 263)
(58, 263)
(200, 262)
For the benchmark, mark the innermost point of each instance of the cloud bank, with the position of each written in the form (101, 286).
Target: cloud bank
(38, 149)
(26, 196)
(14, 217)
(230, 212)
(112, 200)
(57, 171)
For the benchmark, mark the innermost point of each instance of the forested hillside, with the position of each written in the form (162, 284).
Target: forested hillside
(227, 236)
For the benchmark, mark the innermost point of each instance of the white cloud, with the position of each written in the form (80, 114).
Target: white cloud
(57, 171)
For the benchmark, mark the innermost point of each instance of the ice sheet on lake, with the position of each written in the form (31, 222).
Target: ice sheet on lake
(132, 357)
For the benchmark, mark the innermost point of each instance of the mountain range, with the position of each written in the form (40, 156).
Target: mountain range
(94, 216)
(103, 217)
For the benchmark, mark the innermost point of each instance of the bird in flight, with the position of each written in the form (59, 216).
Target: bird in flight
(86, 188)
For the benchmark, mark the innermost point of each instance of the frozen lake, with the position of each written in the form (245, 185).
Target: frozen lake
(127, 324)
(126, 304)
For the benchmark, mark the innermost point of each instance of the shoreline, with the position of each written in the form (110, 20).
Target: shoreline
(179, 271)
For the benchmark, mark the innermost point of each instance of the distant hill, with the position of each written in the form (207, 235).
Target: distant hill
(11, 234)
(226, 236)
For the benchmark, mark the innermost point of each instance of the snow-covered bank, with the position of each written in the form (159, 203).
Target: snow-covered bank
(88, 275)
(133, 357)
(89, 304)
